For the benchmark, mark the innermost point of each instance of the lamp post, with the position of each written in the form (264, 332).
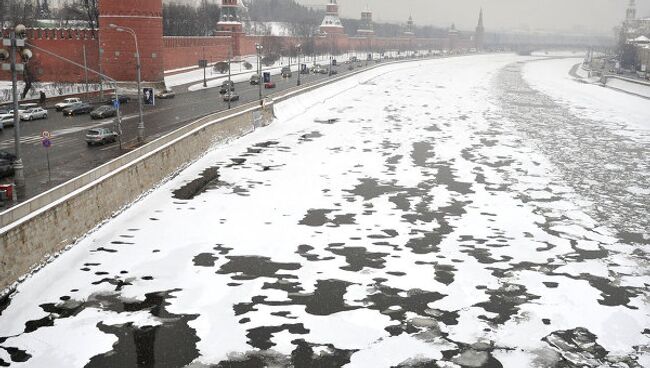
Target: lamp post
(14, 42)
(298, 46)
(139, 76)
(259, 49)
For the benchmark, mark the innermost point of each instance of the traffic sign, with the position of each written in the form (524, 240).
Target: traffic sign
(46, 135)
(116, 103)
(46, 142)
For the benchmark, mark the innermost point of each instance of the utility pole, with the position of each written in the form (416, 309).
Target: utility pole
(229, 75)
(16, 40)
(85, 69)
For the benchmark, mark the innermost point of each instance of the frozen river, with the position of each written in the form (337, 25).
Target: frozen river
(484, 211)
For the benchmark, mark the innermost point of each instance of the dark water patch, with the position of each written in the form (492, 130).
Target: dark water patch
(253, 151)
(120, 242)
(629, 237)
(237, 161)
(505, 301)
(358, 258)
(198, 185)
(260, 337)
(222, 250)
(446, 177)
(318, 217)
(327, 121)
(370, 189)
(308, 137)
(284, 285)
(103, 249)
(304, 251)
(266, 144)
(304, 356)
(148, 278)
(204, 260)
(326, 299)
(550, 285)
(422, 151)
(170, 344)
(484, 256)
(101, 273)
(15, 355)
(612, 295)
(387, 234)
(413, 300)
(118, 283)
(252, 267)
(426, 244)
(396, 273)
(402, 201)
(444, 273)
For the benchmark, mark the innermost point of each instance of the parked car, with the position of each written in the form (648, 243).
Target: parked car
(7, 120)
(102, 112)
(166, 93)
(78, 109)
(286, 72)
(269, 85)
(27, 106)
(123, 100)
(227, 85)
(34, 113)
(333, 71)
(231, 97)
(7, 161)
(67, 103)
(100, 136)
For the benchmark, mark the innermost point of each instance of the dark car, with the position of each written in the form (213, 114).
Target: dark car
(225, 85)
(123, 100)
(269, 85)
(231, 97)
(78, 109)
(7, 161)
(286, 72)
(103, 112)
(100, 136)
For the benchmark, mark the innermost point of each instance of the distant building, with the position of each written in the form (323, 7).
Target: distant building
(453, 36)
(410, 27)
(366, 27)
(332, 23)
(479, 35)
(634, 27)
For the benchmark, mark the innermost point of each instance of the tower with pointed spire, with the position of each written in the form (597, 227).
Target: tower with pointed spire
(479, 35)
(230, 19)
(453, 37)
(410, 27)
(366, 28)
(630, 14)
(332, 23)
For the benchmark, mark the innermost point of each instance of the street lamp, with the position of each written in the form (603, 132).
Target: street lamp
(259, 49)
(298, 46)
(15, 41)
(139, 76)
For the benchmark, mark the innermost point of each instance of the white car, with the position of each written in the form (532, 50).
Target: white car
(67, 103)
(34, 113)
(6, 120)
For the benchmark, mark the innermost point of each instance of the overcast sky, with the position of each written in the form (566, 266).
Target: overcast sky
(588, 15)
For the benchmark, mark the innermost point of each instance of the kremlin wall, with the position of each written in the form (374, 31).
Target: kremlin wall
(113, 52)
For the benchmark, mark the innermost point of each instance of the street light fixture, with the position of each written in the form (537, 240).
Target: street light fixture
(259, 49)
(15, 41)
(139, 76)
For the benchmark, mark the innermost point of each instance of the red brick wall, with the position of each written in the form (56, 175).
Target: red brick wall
(118, 49)
(68, 43)
(180, 52)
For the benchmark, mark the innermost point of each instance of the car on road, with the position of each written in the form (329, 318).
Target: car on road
(286, 72)
(231, 97)
(166, 93)
(6, 120)
(333, 71)
(33, 114)
(102, 112)
(100, 136)
(78, 109)
(226, 85)
(67, 103)
(123, 100)
(269, 85)
(7, 161)
(255, 80)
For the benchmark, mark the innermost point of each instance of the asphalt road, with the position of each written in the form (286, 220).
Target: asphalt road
(70, 156)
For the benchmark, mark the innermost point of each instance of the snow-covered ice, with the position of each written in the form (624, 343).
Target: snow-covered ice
(420, 214)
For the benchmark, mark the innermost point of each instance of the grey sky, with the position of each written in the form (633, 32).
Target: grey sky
(567, 15)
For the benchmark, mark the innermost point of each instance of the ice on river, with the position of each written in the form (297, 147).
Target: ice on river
(401, 218)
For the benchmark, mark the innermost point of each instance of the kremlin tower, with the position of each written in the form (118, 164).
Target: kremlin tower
(410, 28)
(479, 36)
(332, 23)
(230, 20)
(366, 27)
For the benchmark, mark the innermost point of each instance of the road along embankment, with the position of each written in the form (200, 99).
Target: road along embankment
(36, 230)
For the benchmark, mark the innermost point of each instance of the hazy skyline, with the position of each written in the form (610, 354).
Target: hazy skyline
(586, 15)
